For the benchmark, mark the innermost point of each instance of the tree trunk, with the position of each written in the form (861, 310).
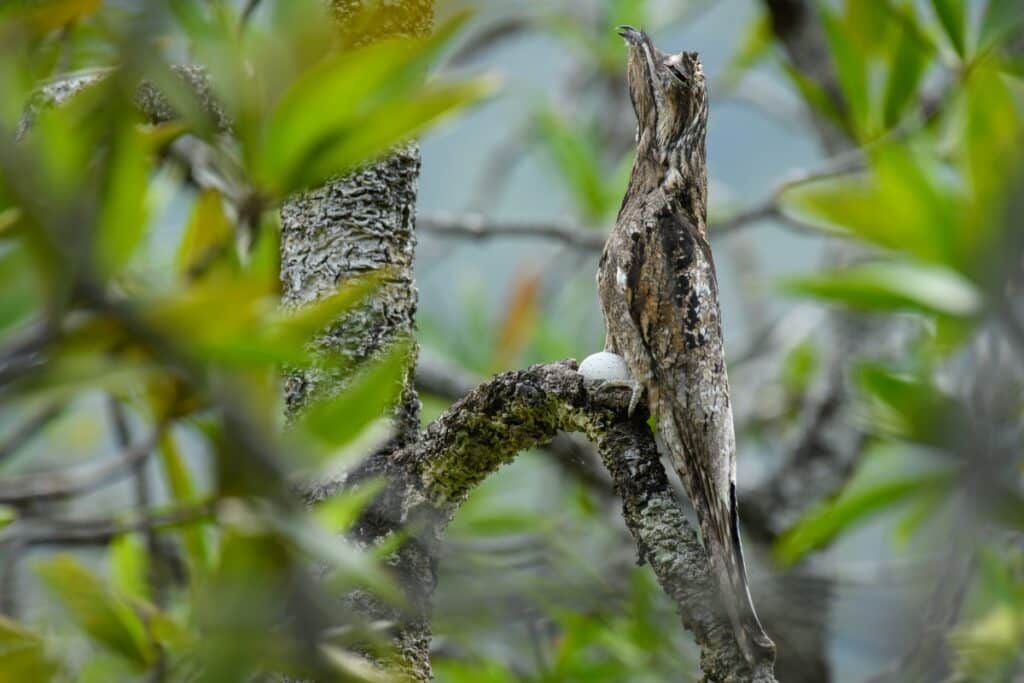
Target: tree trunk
(347, 228)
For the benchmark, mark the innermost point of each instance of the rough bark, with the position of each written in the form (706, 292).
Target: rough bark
(345, 229)
(365, 222)
(357, 224)
(523, 409)
(350, 227)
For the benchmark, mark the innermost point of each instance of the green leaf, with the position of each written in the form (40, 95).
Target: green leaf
(336, 421)
(379, 130)
(107, 619)
(823, 524)
(129, 566)
(226, 320)
(798, 368)
(900, 205)
(755, 44)
(20, 292)
(572, 151)
(23, 655)
(867, 24)
(299, 326)
(1001, 19)
(952, 14)
(51, 14)
(992, 127)
(911, 407)
(340, 512)
(909, 62)
(9, 219)
(851, 70)
(183, 491)
(986, 648)
(816, 98)
(354, 106)
(922, 509)
(894, 286)
(7, 515)
(209, 237)
(123, 214)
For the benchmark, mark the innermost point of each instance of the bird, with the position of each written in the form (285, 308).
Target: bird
(659, 298)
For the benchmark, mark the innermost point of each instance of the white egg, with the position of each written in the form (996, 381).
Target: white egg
(604, 366)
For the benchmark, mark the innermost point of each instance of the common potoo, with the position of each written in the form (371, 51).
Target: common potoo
(659, 296)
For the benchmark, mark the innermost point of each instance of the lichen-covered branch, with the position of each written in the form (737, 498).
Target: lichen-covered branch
(523, 409)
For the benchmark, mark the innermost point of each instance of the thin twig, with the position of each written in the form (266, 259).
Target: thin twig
(250, 8)
(73, 481)
(476, 226)
(488, 38)
(98, 531)
(29, 429)
(160, 561)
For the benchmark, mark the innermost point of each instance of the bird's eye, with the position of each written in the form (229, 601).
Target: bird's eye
(677, 72)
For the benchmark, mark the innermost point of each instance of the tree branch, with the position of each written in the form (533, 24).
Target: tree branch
(97, 531)
(522, 409)
(29, 429)
(73, 481)
(587, 238)
(572, 453)
(477, 226)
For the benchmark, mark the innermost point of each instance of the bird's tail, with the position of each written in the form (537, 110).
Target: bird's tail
(719, 525)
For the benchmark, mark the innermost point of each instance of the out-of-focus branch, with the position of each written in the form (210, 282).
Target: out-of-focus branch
(29, 429)
(96, 531)
(799, 29)
(519, 410)
(489, 37)
(72, 481)
(476, 226)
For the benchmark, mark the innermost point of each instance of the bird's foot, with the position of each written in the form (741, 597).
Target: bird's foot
(636, 391)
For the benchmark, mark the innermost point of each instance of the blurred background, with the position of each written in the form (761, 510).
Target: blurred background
(865, 162)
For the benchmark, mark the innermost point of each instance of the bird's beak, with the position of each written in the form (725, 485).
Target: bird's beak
(632, 36)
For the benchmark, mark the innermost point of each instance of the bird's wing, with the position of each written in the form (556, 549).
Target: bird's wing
(671, 296)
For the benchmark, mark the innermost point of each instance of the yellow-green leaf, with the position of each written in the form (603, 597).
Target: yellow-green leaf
(907, 66)
(893, 286)
(123, 215)
(183, 490)
(823, 524)
(129, 566)
(851, 69)
(53, 14)
(208, 238)
(336, 421)
(104, 617)
(23, 655)
(952, 14)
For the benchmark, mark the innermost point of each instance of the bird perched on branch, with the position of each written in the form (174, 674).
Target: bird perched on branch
(659, 295)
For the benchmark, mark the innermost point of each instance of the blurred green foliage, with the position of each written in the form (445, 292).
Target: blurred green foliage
(929, 98)
(928, 107)
(191, 347)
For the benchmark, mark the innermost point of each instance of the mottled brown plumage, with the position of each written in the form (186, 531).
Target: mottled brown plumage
(659, 296)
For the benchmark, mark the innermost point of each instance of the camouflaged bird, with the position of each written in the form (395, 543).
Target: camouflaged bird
(659, 295)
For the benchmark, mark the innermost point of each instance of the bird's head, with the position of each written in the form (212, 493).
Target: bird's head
(668, 92)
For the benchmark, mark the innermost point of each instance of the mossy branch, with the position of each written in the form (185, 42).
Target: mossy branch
(523, 409)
